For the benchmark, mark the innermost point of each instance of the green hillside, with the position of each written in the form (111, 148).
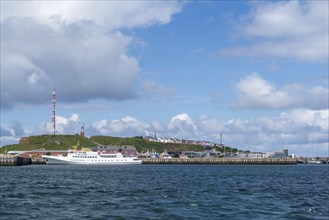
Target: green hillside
(63, 142)
(49, 142)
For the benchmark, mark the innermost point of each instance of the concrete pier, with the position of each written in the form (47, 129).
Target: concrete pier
(14, 161)
(222, 161)
(37, 160)
(18, 161)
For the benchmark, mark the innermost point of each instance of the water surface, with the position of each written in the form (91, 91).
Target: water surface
(164, 192)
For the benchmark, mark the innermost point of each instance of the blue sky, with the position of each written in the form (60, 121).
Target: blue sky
(256, 71)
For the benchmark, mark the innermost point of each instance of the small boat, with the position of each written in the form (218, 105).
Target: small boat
(85, 157)
(165, 155)
(314, 161)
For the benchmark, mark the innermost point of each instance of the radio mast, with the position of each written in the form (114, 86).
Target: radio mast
(53, 119)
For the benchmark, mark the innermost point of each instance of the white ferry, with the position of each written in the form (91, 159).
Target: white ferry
(89, 157)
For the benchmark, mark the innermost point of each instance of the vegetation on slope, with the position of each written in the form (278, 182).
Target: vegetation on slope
(143, 145)
(63, 142)
(49, 142)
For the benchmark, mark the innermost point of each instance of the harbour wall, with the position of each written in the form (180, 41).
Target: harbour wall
(19, 161)
(223, 161)
(37, 160)
(14, 161)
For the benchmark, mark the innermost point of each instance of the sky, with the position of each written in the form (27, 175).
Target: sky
(254, 71)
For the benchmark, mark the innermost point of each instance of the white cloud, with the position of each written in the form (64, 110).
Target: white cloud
(70, 125)
(285, 29)
(253, 92)
(12, 134)
(296, 130)
(210, 125)
(182, 125)
(126, 126)
(318, 119)
(77, 47)
(112, 14)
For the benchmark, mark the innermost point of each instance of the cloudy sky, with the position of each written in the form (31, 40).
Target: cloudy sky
(255, 71)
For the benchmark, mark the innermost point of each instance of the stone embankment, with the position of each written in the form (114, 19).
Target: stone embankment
(18, 161)
(223, 161)
(38, 160)
(14, 161)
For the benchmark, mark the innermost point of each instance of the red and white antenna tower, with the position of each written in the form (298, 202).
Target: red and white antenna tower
(53, 119)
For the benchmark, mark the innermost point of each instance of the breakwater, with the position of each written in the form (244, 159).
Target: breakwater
(37, 160)
(14, 161)
(19, 161)
(223, 161)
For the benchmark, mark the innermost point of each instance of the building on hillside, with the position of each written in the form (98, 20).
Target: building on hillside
(192, 154)
(189, 142)
(149, 138)
(278, 154)
(254, 155)
(162, 140)
(177, 141)
(82, 131)
(128, 151)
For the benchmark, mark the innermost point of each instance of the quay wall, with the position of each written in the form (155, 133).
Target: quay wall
(37, 160)
(222, 161)
(14, 161)
(18, 161)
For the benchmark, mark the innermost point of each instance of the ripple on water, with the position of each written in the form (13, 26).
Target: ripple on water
(164, 192)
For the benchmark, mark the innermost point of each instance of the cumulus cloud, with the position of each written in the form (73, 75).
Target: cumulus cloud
(77, 47)
(15, 130)
(126, 126)
(18, 129)
(182, 125)
(295, 129)
(112, 14)
(298, 130)
(253, 92)
(64, 125)
(284, 29)
(12, 134)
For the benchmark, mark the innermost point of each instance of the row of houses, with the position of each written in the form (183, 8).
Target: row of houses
(130, 151)
(213, 153)
(178, 141)
(277, 154)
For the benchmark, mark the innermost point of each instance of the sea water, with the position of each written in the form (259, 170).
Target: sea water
(164, 192)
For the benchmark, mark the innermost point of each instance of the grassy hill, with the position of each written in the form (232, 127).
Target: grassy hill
(49, 142)
(63, 142)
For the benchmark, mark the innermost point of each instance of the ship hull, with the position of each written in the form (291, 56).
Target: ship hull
(60, 160)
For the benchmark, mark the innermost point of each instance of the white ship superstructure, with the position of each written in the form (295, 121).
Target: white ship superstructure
(89, 157)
